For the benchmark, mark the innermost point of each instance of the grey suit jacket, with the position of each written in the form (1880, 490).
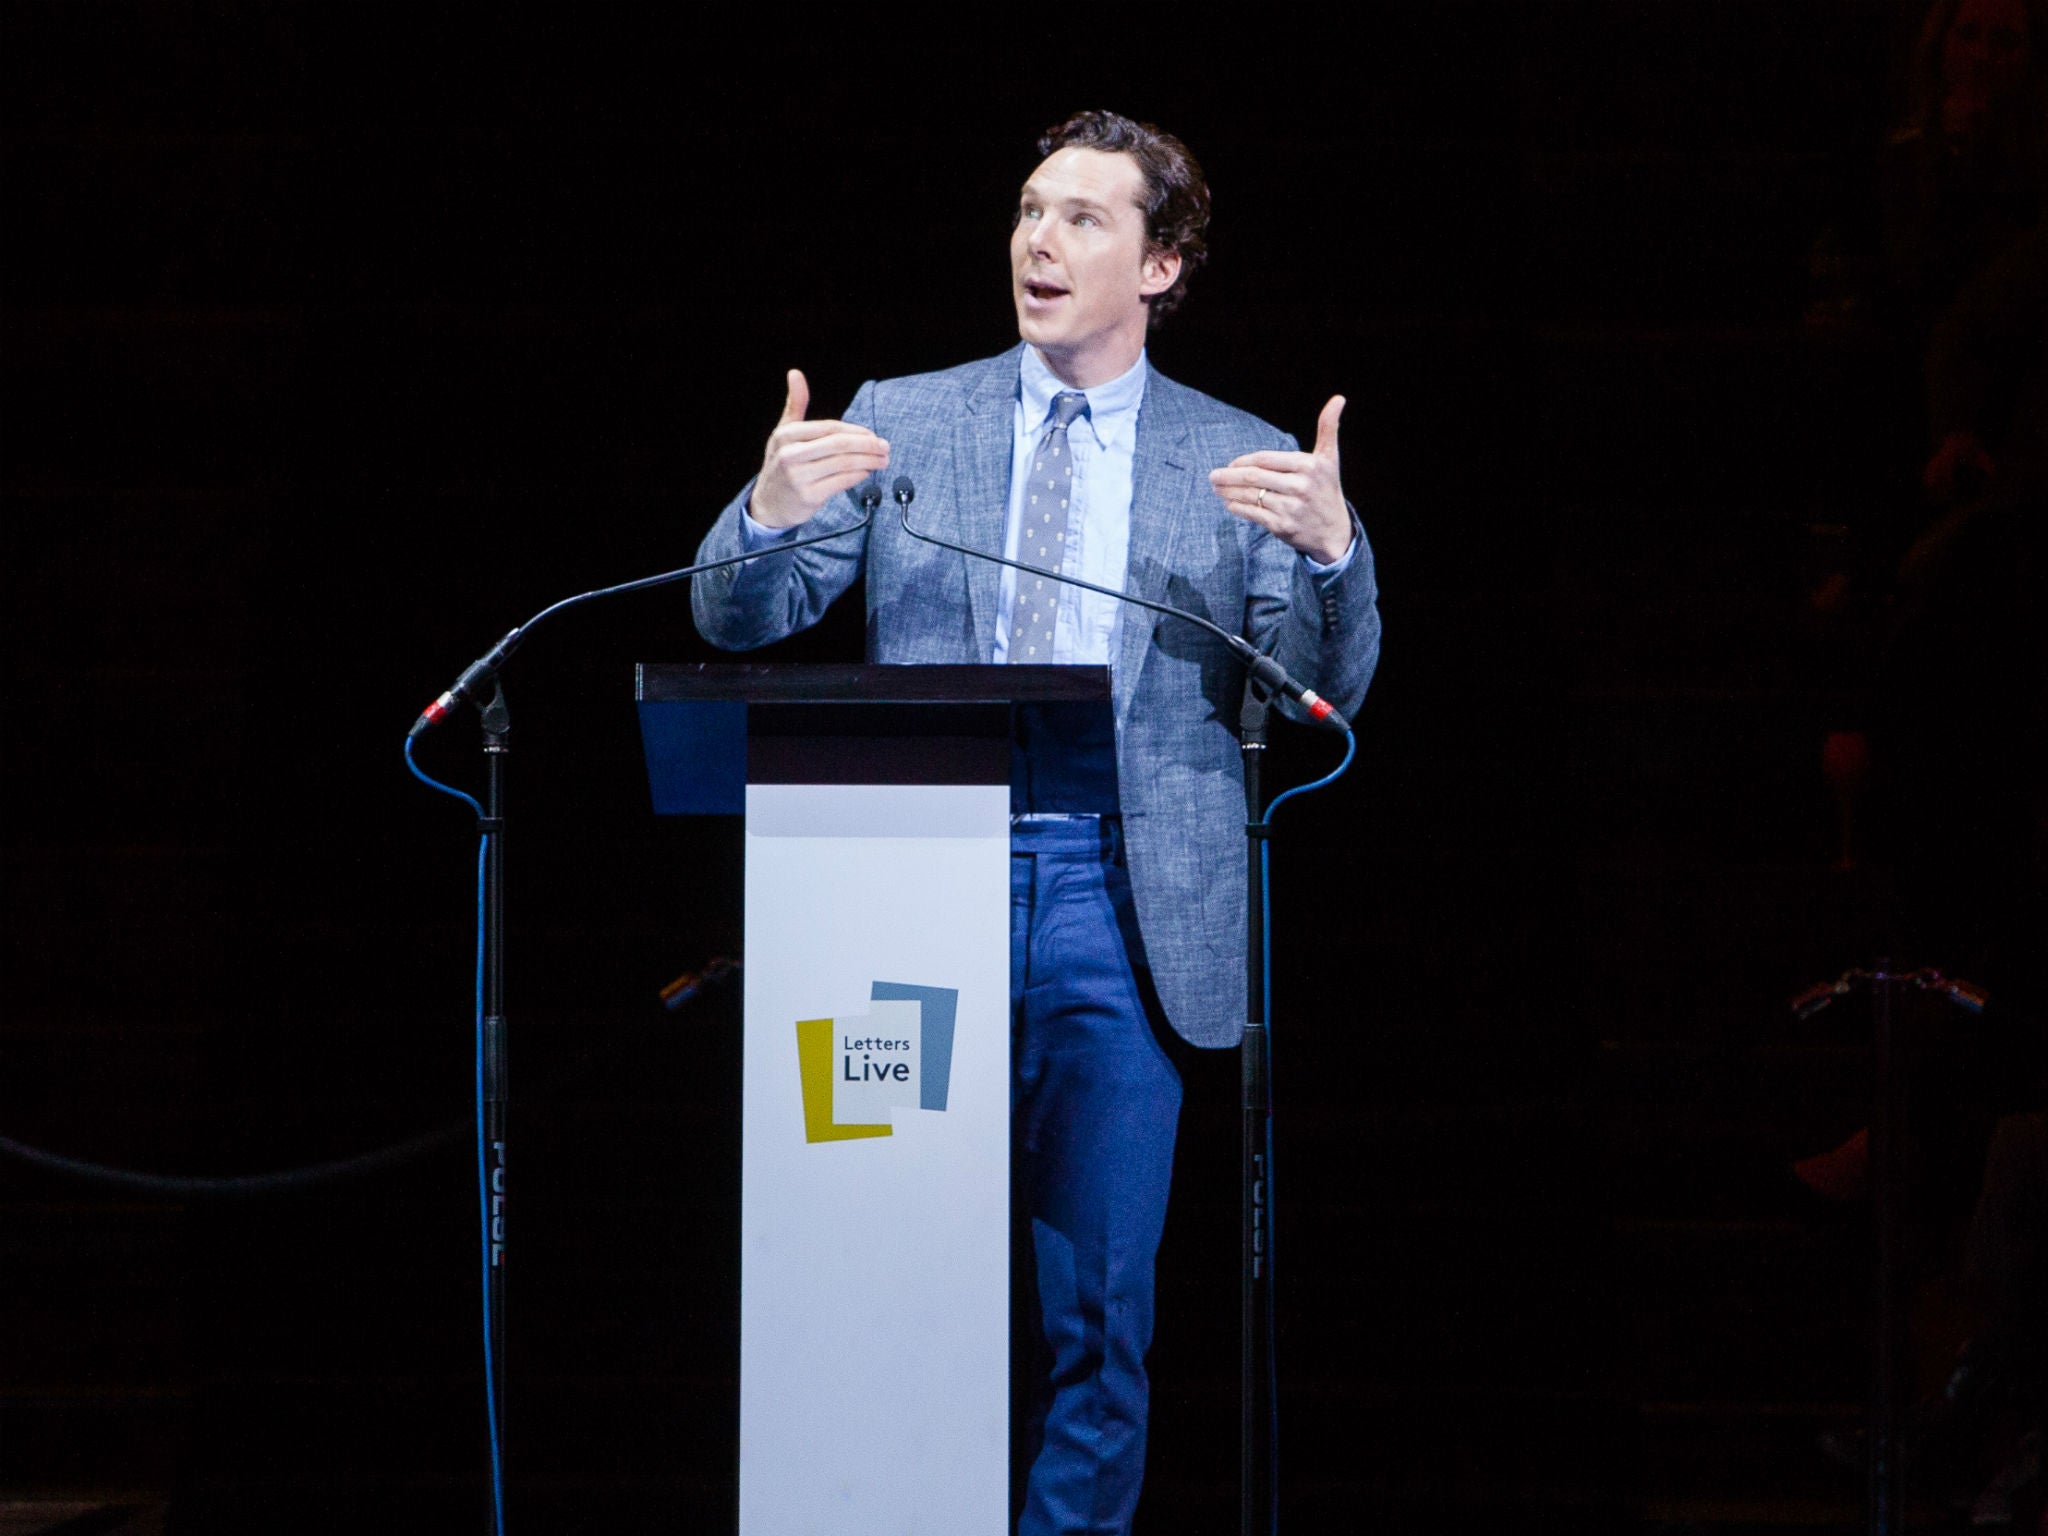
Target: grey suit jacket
(1177, 689)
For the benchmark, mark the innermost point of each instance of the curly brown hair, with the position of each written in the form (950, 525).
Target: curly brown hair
(1176, 202)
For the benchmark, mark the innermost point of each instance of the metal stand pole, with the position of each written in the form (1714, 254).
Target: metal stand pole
(1256, 1484)
(497, 730)
(1890, 992)
(1887, 1492)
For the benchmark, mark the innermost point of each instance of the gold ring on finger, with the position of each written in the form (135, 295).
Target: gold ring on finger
(1262, 499)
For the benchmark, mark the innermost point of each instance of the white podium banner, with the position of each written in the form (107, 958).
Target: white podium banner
(874, 1203)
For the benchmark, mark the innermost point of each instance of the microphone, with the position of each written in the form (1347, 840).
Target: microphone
(476, 677)
(1264, 669)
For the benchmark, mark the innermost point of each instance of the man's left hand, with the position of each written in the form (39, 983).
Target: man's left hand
(1297, 497)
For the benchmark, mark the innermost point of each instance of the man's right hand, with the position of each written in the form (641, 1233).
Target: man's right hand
(810, 462)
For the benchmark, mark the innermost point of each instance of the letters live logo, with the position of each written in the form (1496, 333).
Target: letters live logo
(855, 1071)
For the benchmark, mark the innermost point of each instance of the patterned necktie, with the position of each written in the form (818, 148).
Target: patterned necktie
(1042, 539)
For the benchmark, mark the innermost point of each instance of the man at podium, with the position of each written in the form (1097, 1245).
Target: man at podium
(1071, 453)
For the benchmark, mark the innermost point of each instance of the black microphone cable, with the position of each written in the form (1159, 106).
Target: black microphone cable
(473, 680)
(1270, 675)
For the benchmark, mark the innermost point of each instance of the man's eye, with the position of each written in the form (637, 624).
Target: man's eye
(1027, 212)
(1085, 220)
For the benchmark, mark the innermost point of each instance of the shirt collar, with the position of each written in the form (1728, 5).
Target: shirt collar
(1112, 407)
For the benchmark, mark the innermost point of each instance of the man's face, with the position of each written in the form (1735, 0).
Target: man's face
(1079, 270)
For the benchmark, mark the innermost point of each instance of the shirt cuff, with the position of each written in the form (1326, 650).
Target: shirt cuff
(755, 538)
(1336, 567)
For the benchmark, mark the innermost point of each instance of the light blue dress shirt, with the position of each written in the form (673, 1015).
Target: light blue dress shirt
(1103, 444)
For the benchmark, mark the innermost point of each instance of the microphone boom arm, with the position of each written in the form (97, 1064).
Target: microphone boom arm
(1262, 667)
(479, 672)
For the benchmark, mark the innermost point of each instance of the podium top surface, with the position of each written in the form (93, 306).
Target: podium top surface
(770, 683)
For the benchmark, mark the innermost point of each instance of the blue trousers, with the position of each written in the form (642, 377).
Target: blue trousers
(1096, 1100)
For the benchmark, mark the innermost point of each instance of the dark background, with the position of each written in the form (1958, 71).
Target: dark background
(337, 339)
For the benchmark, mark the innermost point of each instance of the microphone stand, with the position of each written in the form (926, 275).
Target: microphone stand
(1267, 672)
(496, 724)
(1890, 1059)
(1258, 1479)
(1258, 1487)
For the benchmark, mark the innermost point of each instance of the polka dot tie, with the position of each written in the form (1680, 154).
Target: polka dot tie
(1042, 539)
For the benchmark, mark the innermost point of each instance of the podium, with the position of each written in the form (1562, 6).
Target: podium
(875, 1102)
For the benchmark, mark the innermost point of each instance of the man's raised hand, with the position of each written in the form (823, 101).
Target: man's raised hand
(810, 462)
(1298, 497)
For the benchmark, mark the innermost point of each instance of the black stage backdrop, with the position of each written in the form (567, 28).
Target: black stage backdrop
(338, 339)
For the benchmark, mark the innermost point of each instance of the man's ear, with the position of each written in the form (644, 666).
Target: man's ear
(1160, 272)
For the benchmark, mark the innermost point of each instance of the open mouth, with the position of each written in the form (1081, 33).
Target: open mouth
(1043, 292)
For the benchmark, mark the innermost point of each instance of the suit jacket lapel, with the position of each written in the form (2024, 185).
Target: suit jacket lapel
(1161, 482)
(982, 445)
